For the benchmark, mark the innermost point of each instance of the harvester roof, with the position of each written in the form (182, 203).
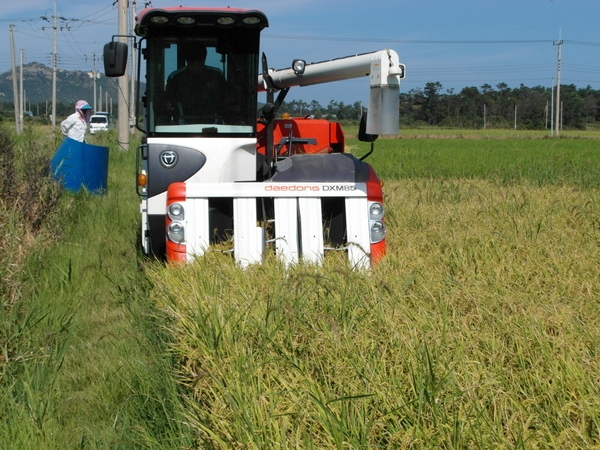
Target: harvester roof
(182, 16)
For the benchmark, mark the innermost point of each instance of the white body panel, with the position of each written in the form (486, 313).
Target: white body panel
(268, 189)
(357, 228)
(227, 159)
(197, 225)
(249, 242)
(311, 230)
(384, 65)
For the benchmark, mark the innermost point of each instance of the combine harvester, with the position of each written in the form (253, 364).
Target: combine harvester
(213, 169)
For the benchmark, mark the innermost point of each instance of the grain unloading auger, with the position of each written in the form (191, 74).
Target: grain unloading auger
(213, 169)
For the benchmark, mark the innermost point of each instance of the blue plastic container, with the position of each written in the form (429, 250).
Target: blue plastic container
(78, 165)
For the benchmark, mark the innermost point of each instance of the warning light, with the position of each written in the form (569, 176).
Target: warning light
(142, 179)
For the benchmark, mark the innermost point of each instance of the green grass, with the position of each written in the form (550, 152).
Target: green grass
(86, 366)
(490, 133)
(479, 329)
(537, 161)
(428, 132)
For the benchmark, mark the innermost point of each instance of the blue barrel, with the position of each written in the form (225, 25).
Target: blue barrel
(78, 165)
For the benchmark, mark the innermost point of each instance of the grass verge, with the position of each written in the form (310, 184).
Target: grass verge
(87, 366)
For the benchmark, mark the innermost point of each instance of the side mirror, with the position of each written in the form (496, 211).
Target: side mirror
(115, 59)
(362, 130)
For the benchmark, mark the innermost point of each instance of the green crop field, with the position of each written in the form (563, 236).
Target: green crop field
(540, 162)
(479, 329)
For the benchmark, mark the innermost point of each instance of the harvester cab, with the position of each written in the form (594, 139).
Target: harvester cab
(213, 167)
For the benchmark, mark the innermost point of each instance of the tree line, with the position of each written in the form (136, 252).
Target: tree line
(473, 107)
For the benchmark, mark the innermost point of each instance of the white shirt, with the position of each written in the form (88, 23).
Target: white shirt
(74, 127)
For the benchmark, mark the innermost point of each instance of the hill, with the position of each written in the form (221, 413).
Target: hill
(70, 85)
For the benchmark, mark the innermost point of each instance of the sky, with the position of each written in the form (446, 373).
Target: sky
(458, 43)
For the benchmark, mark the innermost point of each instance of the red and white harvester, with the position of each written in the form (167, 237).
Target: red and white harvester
(232, 173)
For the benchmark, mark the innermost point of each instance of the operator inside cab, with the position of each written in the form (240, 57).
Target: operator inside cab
(196, 92)
(205, 85)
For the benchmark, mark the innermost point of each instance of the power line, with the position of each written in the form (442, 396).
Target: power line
(590, 44)
(427, 41)
(408, 41)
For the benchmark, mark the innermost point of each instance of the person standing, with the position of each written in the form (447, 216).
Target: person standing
(75, 126)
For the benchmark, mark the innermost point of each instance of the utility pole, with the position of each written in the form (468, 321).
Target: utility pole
(18, 128)
(54, 58)
(484, 116)
(552, 110)
(123, 110)
(21, 96)
(558, 102)
(94, 77)
(132, 105)
(54, 61)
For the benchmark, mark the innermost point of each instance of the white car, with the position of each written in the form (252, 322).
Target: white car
(98, 122)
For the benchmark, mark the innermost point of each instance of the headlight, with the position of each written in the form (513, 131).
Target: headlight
(377, 232)
(176, 232)
(251, 20)
(298, 66)
(225, 20)
(176, 211)
(184, 20)
(376, 211)
(159, 20)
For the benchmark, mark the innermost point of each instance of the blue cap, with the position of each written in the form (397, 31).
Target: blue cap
(86, 107)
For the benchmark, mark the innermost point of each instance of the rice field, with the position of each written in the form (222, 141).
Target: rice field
(479, 329)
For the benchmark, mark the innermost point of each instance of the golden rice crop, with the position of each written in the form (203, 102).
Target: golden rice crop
(480, 329)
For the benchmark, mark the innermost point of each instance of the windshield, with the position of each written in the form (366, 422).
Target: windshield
(202, 85)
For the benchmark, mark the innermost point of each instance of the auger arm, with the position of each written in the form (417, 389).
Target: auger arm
(383, 68)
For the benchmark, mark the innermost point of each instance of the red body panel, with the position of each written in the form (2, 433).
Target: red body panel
(328, 135)
(175, 252)
(375, 194)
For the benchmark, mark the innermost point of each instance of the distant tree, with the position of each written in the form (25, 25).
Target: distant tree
(486, 89)
(316, 109)
(532, 103)
(471, 107)
(407, 108)
(431, 102)
(333, 109)
(573, 107)
(295, 108)
(591, 99)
